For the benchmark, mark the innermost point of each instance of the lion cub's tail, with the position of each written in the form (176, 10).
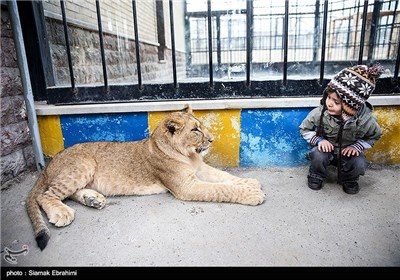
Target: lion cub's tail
(40, 229)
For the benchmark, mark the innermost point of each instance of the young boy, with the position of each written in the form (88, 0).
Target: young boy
(342, 128)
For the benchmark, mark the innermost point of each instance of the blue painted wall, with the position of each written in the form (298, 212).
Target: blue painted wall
(248, 137)
(103, 127)
(270, 137)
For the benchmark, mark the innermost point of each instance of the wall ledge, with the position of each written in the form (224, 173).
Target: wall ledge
(43, 109)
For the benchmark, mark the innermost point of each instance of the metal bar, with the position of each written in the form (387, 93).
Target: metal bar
(135, 28)
(286, 41)
(392, 28)
(187, 41)
(26, 83)
(356, 28)
(71, 68)
(296, 32)
(276, 32)
(219, 59)
(249, 36)
(160, 30)
(317, 30)
(171, 19)
(325, 26)
(210, 50)
(363, 27)
(103, 58)
(374, 28)
(270, 36)
(349, 34)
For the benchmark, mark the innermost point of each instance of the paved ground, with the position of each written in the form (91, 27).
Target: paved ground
(294, 227)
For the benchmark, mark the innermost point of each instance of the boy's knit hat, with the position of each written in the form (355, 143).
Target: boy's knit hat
(354, 85)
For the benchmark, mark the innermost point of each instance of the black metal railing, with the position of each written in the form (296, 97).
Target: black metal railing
(275, 74)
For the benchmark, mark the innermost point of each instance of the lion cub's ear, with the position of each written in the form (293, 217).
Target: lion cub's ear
(174, 124)
(188, 109)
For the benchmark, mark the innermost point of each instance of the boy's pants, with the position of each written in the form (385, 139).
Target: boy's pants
(352, 167)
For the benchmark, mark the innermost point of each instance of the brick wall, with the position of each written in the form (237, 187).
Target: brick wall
(16, 144)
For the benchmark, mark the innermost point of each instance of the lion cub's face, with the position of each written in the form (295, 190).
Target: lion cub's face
(187, 134)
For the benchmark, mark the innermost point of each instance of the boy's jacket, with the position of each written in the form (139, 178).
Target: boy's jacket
(363, 128)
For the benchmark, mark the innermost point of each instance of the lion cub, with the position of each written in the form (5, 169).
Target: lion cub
(170, 160)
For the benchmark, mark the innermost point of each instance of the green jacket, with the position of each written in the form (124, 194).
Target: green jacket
(361, 131)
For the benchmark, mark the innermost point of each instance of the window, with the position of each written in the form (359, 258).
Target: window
(107, 51)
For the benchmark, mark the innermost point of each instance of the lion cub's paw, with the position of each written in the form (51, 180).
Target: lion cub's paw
(95, 200)
(253, 183)
(248, 182)
(61, 216)
(252, 196)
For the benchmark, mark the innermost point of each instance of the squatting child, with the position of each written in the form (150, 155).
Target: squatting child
(342, 128)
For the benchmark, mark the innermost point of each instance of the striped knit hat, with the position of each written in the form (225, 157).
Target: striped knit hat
(354, 85)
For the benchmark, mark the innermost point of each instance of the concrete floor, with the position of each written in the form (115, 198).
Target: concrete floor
(295, 226)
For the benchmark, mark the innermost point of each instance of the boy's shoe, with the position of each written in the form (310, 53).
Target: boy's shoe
(314, 183)
(350, 187)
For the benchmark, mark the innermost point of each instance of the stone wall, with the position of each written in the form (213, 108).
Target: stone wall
(16, 144)
(116, 16)
(120, 54)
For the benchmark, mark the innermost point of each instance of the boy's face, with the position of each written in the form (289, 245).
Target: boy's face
(334, 104)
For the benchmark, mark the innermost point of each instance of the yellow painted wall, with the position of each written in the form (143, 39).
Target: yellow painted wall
(50, 135)
(387, 149)
(224, 125)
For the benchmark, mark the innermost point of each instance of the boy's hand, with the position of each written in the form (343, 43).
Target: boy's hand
(325, 146)
(350, 151)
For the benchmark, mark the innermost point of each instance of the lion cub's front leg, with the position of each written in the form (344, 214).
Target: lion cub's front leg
(210, 174)
(212, 184)
(239, 191)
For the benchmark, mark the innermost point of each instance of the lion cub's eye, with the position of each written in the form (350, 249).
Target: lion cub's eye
(195, 129)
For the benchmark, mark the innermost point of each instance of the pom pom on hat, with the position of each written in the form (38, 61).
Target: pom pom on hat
(354, 85)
